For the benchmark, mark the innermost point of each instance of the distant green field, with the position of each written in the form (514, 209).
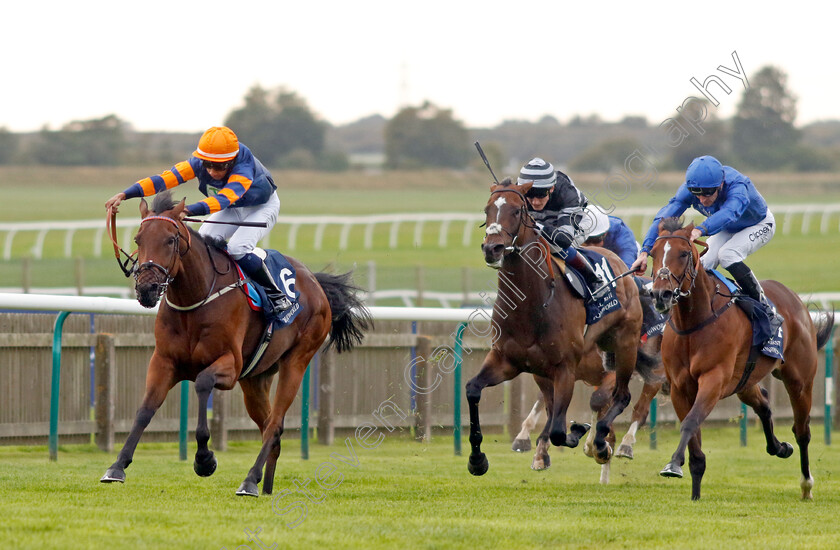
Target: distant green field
(405, 494)
(804, 262)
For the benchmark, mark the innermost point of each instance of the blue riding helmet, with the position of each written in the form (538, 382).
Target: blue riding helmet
(704, 172)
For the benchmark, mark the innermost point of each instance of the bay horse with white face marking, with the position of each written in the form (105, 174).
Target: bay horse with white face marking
(707, 346)
(544, 333)
(206, 332)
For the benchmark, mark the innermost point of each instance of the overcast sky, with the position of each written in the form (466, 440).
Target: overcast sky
(183, 66)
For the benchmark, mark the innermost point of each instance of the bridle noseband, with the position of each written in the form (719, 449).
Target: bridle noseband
(690, 271)
(165, 271)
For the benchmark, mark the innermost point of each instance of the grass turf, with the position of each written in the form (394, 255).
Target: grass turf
(405, 494)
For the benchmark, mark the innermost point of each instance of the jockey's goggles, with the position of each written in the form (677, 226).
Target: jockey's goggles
(703, 191)
(210, 165)
(538, 192)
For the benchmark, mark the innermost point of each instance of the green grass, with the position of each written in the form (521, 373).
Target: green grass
(405, 494)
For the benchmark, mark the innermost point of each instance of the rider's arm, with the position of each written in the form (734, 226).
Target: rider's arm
(737, 201)
(181, 172)
(238, 182)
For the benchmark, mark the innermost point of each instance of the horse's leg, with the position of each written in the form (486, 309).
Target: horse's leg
(256, 392)
(289, 378)
(564, 385)
(708, 394)
(598, 404)
(160, 378)
(542, 460)
(756, 397)
(494, 371)
(522, 441)
(799, 390)
(625, 364)
(696, 464)
(219, 374)
(639, 419)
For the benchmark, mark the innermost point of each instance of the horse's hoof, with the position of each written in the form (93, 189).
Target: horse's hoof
(624, 451)
(521, 445)
(478, 464)
(579, 430)
(785, 450)
(558, 439)
(112, 475)
(604, 455)
(206, 467)
(671, 470)
(248, 489)
(538, 465)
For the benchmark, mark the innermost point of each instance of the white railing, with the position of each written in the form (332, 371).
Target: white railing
(408, 297)
(638, 218)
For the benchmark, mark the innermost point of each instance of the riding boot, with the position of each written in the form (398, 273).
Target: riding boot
(261, 276)
(593, 280)
(749, 284)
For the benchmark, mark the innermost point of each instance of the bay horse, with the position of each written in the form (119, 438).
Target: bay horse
(206, 332)
(706, 347)
(592, 372)
(544, 332)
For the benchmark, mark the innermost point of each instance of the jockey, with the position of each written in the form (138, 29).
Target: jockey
(738, 223)
(557, 207)
(610, 232)
(240, 189)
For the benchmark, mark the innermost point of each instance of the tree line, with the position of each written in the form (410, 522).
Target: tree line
(284, 131)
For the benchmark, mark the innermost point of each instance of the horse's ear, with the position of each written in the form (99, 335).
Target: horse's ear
(144, 208)
(180, 207)
(525, 187)
(689, 228)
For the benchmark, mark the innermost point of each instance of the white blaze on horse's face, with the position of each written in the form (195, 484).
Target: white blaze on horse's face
(496, 227)
(665, 250)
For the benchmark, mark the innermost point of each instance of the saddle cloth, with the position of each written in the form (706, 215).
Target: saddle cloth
(769, 343)
(284, 275)
(595, 309)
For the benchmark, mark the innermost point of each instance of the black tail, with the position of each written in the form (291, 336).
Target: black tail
(350, 317)
(646, 365)
(825, 326)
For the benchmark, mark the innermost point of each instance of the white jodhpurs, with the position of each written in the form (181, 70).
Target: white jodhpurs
(242, 240)
(727, 248)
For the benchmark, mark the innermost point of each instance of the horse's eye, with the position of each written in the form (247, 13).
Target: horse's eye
(684, 254)
(170, 241)
(517, 213)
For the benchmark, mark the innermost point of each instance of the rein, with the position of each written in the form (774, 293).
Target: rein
(130, 261)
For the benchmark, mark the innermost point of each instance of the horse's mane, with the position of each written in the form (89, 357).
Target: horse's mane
(163, 202)
(671, 224)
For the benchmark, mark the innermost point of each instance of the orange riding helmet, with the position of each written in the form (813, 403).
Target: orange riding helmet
(218, 144)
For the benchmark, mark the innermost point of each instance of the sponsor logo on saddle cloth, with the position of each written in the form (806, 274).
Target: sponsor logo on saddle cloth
(284, 275)
(596, 309)
(770, 344)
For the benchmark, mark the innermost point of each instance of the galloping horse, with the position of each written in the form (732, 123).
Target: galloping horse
(706, 351)
(205, 331)
(545, 333)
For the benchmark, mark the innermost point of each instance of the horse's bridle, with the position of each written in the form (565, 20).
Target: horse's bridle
(523, 215)
(513, 248)
(690, 271)
(176, 251)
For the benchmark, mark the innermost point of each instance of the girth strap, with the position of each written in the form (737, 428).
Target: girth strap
(258, 353)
